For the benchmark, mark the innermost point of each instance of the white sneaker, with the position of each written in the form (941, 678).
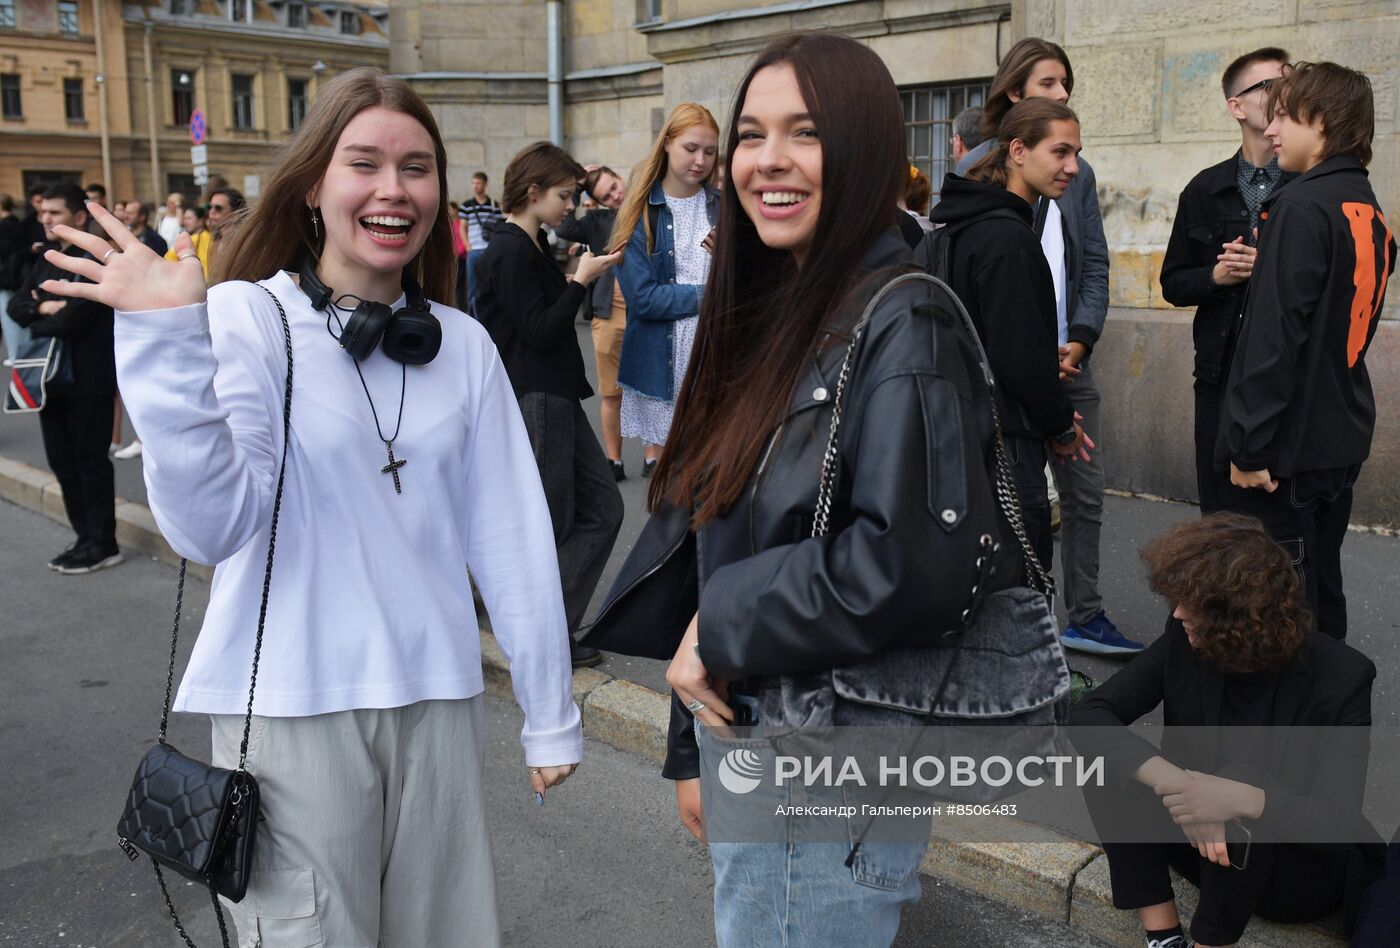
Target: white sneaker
(132, 450)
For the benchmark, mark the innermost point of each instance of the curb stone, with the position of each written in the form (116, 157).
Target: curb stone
(1041, 871)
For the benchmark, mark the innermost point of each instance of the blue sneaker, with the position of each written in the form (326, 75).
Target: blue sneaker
(1098, 636)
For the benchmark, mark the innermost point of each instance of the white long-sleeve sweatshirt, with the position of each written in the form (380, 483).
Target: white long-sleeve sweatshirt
(370, 604)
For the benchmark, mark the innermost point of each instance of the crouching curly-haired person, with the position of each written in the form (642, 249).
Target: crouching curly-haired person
(1218, 802)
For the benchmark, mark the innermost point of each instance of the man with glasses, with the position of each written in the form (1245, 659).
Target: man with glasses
(1211, 253)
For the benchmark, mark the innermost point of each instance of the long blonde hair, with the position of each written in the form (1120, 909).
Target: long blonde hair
(275, 232)
(644, 177)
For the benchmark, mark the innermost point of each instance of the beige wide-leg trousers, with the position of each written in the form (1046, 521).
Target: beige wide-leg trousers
(375, 829)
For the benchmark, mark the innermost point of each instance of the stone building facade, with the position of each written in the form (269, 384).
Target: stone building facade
(250, 65)
(1147, 90)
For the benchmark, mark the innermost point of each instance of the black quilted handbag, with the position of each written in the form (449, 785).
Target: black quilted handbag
(186, 815)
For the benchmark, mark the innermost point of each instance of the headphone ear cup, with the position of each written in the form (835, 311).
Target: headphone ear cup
(413, 336)
(364, 328)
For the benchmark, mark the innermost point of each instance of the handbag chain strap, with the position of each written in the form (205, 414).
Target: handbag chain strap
(1005, 483)
(267, 573)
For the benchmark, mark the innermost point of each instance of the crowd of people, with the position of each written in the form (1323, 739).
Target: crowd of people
(754, 288)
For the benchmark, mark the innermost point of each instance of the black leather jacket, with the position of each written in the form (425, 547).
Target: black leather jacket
(898, 565)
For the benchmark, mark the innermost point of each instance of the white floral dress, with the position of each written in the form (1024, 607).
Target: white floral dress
(650, 418)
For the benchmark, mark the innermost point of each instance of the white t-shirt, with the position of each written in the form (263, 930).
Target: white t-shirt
(370, 604)
(1052, 243)
(169, 228)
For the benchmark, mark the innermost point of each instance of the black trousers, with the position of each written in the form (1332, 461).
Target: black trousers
(77, 431)
(1028, 457)
(1308, 515)
(1211, 482)
(1281, 882)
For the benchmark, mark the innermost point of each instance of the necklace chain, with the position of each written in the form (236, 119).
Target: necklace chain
(333, 312)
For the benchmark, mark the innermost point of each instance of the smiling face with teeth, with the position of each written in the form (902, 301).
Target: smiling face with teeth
(377, 201)
(777, 166)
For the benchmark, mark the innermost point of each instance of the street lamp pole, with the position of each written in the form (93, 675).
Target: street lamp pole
(157, 193)
(102, 98)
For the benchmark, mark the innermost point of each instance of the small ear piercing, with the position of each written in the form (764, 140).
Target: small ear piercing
(315, 223)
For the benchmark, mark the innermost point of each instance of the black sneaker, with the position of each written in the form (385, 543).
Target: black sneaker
(90, 559)
(61, 560)
(619, 472)
(584, 656)
(648, 467)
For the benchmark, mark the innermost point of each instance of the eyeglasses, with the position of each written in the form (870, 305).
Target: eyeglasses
(1261, 84)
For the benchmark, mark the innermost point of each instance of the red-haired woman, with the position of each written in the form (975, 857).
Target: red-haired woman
(367, 738)
(1238, 654)
(662, 229)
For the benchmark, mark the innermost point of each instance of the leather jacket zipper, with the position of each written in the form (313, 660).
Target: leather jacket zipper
(647, 574)
(757, 481)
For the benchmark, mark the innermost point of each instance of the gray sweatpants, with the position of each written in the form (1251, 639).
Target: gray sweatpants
(1081, 489)
(375, 828)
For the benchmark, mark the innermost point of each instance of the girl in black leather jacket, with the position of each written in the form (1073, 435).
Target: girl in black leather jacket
(727, 578)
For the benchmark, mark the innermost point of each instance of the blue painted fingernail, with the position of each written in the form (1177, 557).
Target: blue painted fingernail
(539, 798)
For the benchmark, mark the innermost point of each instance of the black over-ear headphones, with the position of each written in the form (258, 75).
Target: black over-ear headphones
(411, 335)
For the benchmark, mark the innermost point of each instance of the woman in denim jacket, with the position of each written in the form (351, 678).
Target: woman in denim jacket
(664, 227)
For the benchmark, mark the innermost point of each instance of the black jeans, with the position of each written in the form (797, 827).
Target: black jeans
(1211, 483)
(1028, 456)
(585, 505)
(76, 432)
(1308, 516)
(1280, 882)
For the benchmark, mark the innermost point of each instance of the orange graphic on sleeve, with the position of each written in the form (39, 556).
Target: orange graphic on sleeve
(1366, 303)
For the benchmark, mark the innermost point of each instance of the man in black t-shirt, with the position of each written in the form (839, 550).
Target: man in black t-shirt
(481, 215)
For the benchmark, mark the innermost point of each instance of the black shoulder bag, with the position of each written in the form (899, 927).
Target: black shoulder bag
(189, 816)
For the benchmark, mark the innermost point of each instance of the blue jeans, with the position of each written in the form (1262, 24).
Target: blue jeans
(12, 331)
(799, 892)
(472, 257)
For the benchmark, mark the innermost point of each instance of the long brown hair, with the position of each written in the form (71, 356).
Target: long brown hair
(1013, 73)
(762, 317)
(653, 168)
(1239, 586)
(1029, 122)
(275, 231)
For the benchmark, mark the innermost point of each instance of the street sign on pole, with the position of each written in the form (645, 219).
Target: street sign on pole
(197, 127)
(199, 155)
(201, 174)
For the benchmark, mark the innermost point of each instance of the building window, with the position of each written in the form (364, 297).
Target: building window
(179, 7)
(9, 96)
(928, 125)
(349, 22)
(73, 100)
(7, 13)
(68, 16)
(242, 102)
(296, 15)
(181, 95)
(296, 103)
(238, 10)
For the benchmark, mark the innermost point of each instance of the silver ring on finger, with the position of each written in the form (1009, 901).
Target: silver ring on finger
(189, 255)
(534, 770)
(696, 706)
(109, 254)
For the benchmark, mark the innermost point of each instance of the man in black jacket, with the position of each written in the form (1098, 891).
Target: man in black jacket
(1299, 412)
(1213, 244)
(77, 421)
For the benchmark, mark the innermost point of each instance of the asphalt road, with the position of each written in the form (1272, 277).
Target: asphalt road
(603, 863)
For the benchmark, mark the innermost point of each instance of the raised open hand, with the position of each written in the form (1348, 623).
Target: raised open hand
(132, 278)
